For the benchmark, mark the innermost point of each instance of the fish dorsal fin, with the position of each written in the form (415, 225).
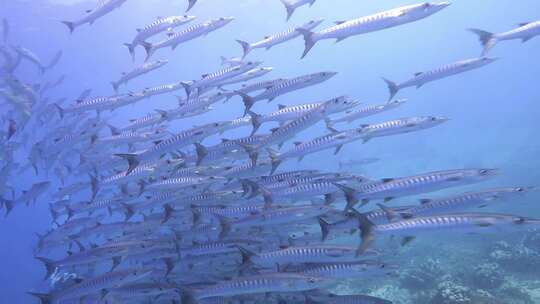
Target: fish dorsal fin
(424, 201)
(274, 130)
(418, 73)
(364, 126)
(281, 106)
(387, 180)
(523, 24)
(78, 280)
(170, 34)
(88, 11)
(297, 143)
(138, 30)
(266, 37)
(340, 22)
(204, 75)
(69, 253)
(157, 142)
(224, 140)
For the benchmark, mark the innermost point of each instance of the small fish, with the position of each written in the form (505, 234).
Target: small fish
(364, 112)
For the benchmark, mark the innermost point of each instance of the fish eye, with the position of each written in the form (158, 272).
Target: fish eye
(222, 19)
(484, 172)
(519, 189)
(433, 118)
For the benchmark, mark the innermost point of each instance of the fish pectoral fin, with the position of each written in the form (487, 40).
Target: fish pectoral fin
(406, 240)
(526, 39)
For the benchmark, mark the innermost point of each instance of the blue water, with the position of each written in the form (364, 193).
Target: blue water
(494, 110)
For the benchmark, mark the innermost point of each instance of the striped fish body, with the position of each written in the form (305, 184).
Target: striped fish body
(260, 284)
(160, 25)
(446, 71)
(379, 21)
(428, 182)
(400, 126)
(345, 270)
(225, 74)
(278, 38)
(281, 216)
(289, 113)
(364, 112)
(293, 84)
(191, 32)
(462, 201)
(141, 70)
(458, 221)
(307, 254)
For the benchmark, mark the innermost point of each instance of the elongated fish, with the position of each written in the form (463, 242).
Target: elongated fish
(372, 23)
(187, 34)
(390, 188)
(270, 41)
(401, 126)
(525, 32)
(138, 71)
(156, 27)
(103, 9)
(453, 222)
(284, 87)
(422, 78)
(364, 112)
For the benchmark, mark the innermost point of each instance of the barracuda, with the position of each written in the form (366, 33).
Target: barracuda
(138, 71)
(156, 27)
(270, 41)
(452, 69)
(525, 32)
(364, 112)
(390, 188)
(185, 35)
(372, 23)
(451, 222)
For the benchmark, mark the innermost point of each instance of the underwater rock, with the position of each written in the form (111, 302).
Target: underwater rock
(393, 293)
(452, 293)
(532, 241)
(488, 276)
(424, 276)
(515, 258)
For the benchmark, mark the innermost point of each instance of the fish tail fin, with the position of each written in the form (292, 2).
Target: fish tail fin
(70, 25)
(325, 228)
(366, 231)
(187, 88)
(290, 9)
(61, 111)
(44, 298)
(8, 204)
(329, 123)
(49, 266)
(350, 195)
(246, 256)
(248, 101)
(132, 160)
(149, 48)
(252, 152)
(94, 182)
(487, 39)
(255, 121)
(191, 4)
(131, 49)
(309, 41)
(275, 160)
(202, 152)
(393, 88)
(246, 47)
(128, 211)
(168, 211)
(225, 227)
(115, 86)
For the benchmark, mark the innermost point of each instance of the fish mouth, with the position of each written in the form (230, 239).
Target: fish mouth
(443, 4)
